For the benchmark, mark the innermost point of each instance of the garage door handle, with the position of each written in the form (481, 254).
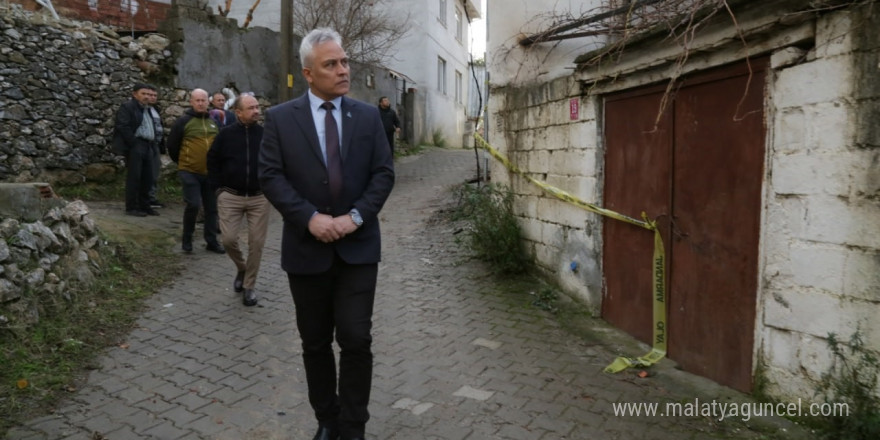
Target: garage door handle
(677, 233)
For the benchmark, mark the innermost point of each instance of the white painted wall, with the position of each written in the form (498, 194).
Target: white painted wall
(510, 20)
(821, 236)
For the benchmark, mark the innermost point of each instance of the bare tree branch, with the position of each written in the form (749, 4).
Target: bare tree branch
(226, 12)
(250, 14)
(369, 33)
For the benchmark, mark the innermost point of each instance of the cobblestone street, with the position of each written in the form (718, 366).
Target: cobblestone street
(455, 358)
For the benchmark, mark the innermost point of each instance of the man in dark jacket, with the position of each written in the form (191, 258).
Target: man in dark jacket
(134, 137)
(389, 120)
(233, 174)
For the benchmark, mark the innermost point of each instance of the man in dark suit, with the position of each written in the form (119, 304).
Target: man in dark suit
(326, 166)
(134, 136)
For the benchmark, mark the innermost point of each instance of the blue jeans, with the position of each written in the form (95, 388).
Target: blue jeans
(196, 193)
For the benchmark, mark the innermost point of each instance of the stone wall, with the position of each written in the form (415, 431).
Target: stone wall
(61, 83)
(43, 260)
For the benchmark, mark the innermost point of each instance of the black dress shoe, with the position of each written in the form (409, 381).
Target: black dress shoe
(187, 246)
(217, 248)
(151, 211)
(136, 213)
(238, 284)
(249, 297)
(326, 433)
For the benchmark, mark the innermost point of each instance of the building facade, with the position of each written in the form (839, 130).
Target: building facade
(754, 154)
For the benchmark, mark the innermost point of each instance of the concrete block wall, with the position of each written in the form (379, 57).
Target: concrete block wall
(534, 129)
(821, 231)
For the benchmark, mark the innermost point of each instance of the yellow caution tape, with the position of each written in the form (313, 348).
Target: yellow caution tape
(658, 351)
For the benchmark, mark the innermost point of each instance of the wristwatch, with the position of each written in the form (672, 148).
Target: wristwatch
(356, 217)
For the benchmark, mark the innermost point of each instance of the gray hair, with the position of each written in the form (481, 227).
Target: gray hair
(314, 38)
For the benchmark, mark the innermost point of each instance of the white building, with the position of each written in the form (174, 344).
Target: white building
(435, 54)
(432, 58)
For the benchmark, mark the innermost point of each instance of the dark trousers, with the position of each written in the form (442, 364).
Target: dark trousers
(139, 176)
(338, 301)
(390, 135)
(196, 193)
(157, 165)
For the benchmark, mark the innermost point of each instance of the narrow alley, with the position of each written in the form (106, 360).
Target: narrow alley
(455, 359)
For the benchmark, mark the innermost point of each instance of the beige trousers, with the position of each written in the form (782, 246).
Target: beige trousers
(232, 210)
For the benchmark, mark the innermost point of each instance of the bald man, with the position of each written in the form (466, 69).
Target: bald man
(188, 143)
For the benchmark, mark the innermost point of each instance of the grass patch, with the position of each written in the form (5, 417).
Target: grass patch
(493, 234)
(92, 191)
(169, 188)
(851, 382)
(43, 364)
(403, 150)
(437, 139)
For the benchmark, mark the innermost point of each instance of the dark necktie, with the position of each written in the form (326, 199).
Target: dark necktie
(334, 161)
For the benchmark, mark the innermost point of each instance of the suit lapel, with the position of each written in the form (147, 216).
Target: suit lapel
(349, 119)
(302, 114)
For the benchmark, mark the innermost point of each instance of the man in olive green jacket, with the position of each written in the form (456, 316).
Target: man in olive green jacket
(188, 143)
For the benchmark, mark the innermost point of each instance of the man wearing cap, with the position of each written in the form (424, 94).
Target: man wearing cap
(133, 137)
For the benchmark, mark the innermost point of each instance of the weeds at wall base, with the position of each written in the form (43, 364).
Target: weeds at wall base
(852, 379)
(437, 139)
(492, 232)
(44, 364)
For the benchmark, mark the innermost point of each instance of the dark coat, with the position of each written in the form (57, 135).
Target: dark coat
(233, 159)
(294, 178)
(389, 119)
(129, 117)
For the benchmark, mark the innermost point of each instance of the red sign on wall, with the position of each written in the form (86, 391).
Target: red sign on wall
(574, 109)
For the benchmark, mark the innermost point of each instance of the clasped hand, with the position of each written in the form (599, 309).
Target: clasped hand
(328, 229)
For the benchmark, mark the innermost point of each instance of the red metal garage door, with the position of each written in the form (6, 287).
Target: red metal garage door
(702, 168)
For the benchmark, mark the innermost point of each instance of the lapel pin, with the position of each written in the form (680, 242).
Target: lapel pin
(348, 115)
